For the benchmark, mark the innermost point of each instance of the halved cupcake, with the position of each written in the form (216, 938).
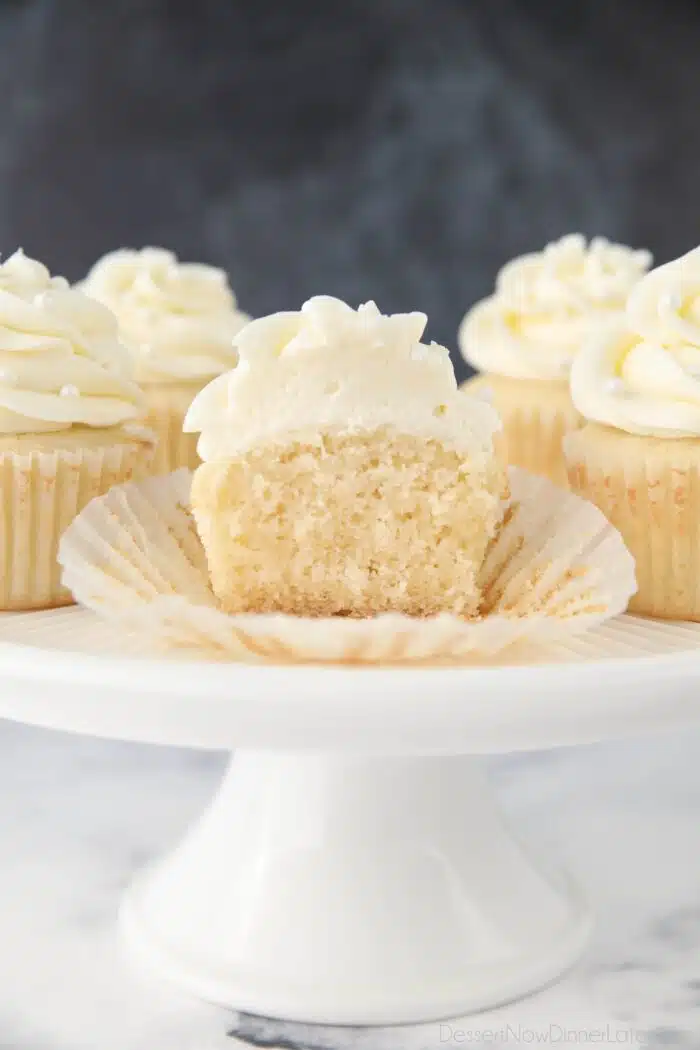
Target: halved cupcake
(179, 320)
(68, 405)
(344, 473)
(524, 338)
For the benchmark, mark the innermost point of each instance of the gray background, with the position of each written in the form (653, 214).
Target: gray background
(390, 149)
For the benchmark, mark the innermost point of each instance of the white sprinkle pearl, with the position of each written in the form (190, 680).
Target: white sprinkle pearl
(672, 301)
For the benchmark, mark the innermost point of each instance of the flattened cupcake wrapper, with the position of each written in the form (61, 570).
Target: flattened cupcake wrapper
(40, 495)
(655, 503)
(534, 425)
(556, 569)
(167, 407)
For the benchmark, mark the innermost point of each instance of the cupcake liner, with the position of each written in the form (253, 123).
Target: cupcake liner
(41, 492)
(536, 416)
(650, 490)
(167, 405)
(556, 568)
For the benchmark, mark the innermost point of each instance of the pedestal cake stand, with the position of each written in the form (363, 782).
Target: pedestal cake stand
(352, 867)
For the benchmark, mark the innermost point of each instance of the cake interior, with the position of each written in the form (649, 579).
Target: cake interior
(349, 524)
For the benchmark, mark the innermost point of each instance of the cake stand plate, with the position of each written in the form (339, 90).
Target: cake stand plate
(352, 868)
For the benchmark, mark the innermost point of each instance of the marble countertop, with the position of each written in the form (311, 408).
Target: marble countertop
(79, 817)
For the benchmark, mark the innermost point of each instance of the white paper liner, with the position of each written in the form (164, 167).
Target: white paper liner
(557, 568)
(41, 492)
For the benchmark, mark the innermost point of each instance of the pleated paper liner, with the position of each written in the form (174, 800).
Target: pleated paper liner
(167, 405)
(536, 415)
(41, 492)
(557, 568)
(649, 488)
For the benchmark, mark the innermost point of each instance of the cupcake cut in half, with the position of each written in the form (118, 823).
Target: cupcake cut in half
(638, 455)
(524, 338)
(343, 473)
(179, 321)
(67, 409)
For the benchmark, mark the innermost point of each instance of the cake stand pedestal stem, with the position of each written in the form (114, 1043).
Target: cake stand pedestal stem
(353, 891)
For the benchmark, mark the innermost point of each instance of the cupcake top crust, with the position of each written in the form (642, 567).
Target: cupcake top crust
(178, 319)
(642, 375)
(61, 362)
(546, 304)
(329, 368)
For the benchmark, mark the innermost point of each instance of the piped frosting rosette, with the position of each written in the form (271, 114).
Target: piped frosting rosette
(61, 361)
(178, 319)
(642, 375)
(328, 366)
(546, 304)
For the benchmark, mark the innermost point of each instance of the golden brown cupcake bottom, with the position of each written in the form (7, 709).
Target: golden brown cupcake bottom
(535, 415)
(350, 525)
(45, 480)
(649, 488)
(167, 405)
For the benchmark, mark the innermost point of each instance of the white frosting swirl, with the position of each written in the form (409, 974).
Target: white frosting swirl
(644, 378)
(61, 362)
(179, 319)
(547, 304)
(329, 368)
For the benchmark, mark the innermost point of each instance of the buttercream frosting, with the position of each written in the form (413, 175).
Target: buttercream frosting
(61, 362)
(178, 319)
(547, 304)
(643, 376)
(329, 367)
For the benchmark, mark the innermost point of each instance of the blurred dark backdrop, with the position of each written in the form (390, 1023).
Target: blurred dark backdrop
(399, 150)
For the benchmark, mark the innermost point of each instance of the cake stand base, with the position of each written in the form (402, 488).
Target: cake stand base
(327, 886)
(339, 890)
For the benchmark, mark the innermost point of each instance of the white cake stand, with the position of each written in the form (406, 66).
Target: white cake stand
(352, 867)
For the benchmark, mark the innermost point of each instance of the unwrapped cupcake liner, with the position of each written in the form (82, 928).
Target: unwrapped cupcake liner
(40, 495)
(167, 405)
(556, 568)
(650, 491)
(536, 416)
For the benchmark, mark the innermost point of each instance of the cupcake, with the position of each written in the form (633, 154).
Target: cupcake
(638, 455)
(67, 409)
(179, 320)
(344, 474)
(524, 337)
